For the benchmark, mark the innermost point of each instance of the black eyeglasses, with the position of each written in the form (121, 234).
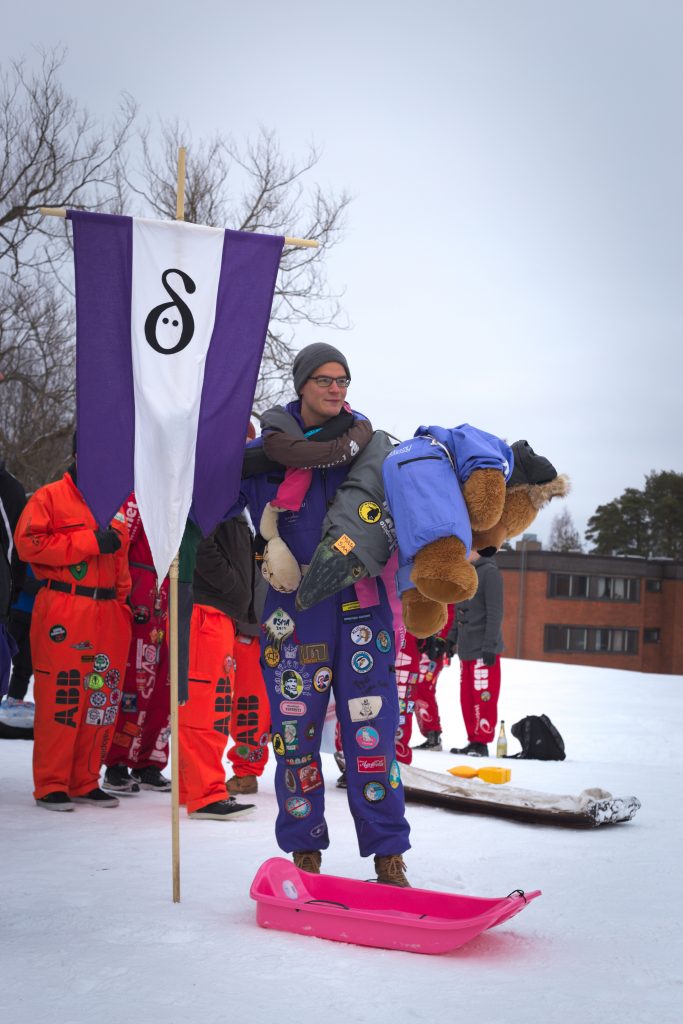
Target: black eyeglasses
(326, 382)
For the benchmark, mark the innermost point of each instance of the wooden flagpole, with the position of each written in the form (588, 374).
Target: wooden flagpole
(173, 574)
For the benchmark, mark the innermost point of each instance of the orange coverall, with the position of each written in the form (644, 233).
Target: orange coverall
(79, 641)
(204, 721)
(226, 698)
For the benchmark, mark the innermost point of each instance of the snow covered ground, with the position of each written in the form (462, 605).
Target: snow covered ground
(89, 931)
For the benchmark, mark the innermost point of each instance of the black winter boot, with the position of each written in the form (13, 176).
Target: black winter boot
(433, 741)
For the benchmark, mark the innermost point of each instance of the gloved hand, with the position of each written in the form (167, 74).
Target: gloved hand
(108, 541)
(433, 646)
(489, 658)
(451, 648)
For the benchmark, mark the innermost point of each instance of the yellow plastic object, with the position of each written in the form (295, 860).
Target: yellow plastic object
(488, 774)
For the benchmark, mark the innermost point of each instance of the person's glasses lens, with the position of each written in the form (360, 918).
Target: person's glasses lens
(326, 382)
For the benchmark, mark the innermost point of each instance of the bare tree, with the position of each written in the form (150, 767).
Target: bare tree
(255, 188)
(53, 154)
(563, 534)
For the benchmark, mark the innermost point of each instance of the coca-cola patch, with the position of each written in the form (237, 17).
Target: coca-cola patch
(372, 764)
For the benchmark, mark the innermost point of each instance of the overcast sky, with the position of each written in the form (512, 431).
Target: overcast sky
(514, 253)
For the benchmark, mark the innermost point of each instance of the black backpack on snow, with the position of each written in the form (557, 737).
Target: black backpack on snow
(539, 739)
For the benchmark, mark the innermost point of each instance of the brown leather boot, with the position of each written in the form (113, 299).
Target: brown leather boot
(242, 784)
(391, 870)
(308, 860)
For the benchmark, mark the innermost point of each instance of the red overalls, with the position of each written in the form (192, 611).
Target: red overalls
(142, 728)
(80, 635)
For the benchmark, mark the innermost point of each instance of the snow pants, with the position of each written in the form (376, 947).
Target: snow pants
(8, 650)
(204, 721)
(22, 667)
(339, 646)
(143, 725)
(406, 677)
(79, 650)
(422, 675)
(479, 692)
(250, 720)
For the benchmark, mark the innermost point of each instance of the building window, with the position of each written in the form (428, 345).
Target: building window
(567, 584)
(588, 639)
(651, 636)
(653, 586)
(614, 588)
(595, 588)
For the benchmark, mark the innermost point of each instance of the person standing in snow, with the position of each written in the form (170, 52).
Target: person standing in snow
(80, 636)
(476, 634)
(139, 749)
(334, 645)
(222, 591)
(12, 502)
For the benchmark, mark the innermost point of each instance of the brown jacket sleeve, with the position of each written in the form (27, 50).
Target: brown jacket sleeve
(311, 454)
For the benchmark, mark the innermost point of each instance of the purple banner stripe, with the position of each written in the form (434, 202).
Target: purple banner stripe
(103, 247)
(245, 297)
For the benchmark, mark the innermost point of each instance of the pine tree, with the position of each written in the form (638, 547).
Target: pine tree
(647, 522)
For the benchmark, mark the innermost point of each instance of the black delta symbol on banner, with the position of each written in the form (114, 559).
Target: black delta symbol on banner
(172, 321)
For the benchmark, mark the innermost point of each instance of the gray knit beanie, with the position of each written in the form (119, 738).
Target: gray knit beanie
(313, 356)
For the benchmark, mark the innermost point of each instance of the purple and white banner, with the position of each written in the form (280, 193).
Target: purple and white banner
(171, 319)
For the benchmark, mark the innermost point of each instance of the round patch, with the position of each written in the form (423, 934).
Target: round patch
(367, 738)
(394, 775)
(271, 656)
(94, 681)
(263, 739)
(228, 664)
(98, 699)
(101, 663)
(57, 634)
(361, 634)
(374, 792)
(113, 677)
(369, 512)
(242, 751)
(383, 641)
(298, 806)
(486, 696)
(361, 662)
(290, 781)
(318, 830)
(115, 696)
(291, 684)
(278, 744)
(322, 679)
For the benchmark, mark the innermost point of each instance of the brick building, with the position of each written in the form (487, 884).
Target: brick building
(611, 612)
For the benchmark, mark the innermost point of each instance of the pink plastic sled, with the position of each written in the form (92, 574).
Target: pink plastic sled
(347, 910)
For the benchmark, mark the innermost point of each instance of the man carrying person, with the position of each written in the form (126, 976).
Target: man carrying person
(335, 645)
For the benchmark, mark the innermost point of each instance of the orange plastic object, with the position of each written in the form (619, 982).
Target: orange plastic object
(488, 774)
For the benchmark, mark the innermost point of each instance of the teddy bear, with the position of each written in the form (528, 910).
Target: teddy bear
(498, 509)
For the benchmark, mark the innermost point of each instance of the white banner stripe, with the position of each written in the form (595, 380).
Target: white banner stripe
(176, 270)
